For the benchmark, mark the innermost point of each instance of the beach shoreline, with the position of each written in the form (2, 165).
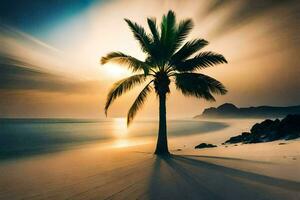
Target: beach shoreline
(132, 171)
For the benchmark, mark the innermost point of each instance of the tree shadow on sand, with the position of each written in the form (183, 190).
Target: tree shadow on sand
(184, 177)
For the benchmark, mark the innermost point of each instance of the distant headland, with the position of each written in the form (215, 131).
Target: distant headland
(229, 110)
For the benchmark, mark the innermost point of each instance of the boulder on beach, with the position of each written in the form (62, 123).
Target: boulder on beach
(205, 145)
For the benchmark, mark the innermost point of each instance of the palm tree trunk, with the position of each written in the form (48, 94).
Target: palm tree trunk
(162, 143)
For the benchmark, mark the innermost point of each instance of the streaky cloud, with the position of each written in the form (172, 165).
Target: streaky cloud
(19, 75)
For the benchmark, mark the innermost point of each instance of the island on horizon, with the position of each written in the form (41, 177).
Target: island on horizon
(229, 110)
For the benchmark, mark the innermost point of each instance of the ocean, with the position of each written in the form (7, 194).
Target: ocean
(26, 137)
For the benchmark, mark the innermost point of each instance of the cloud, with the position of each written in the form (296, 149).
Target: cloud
(27, 63)
(243, 12)
(37, 80)
(19, 75)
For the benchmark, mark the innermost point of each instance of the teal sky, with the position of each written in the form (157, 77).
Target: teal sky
(39, 17)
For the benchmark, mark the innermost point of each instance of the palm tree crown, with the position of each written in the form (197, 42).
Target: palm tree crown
(168, 59)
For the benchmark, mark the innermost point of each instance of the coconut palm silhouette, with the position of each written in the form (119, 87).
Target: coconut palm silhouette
(168, 59)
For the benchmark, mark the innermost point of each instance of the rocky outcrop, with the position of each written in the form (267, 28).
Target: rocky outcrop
(270, 130)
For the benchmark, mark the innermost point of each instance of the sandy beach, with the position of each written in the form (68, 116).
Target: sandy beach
(129, 170)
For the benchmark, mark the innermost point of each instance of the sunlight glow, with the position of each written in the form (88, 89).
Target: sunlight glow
(115, 71)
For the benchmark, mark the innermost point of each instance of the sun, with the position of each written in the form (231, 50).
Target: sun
(116, 71)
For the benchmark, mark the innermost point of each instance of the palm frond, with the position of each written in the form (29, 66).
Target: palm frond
(184, 28)
(122, 86)
(167, 25)
(129, 61)
(200, 61)
(188, 49)
(199, 85)
(153, 28)
(140, 35)
(139, 101)
(168, 33)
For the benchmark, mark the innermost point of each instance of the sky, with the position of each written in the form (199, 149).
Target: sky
(50, 52)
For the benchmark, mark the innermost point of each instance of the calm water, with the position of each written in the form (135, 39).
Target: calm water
(22, 137)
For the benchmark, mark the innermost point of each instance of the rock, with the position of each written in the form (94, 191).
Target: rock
(205, 145)
(265, 131)
(289, 127)
(270, 130)
(239, 138)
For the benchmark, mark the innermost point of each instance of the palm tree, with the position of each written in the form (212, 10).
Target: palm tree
(168, 59)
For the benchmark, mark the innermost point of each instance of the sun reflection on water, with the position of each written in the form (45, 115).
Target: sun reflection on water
(120, 132)
(122, 136)
(120, 127)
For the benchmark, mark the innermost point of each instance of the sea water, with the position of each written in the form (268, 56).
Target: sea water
(24, 137)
